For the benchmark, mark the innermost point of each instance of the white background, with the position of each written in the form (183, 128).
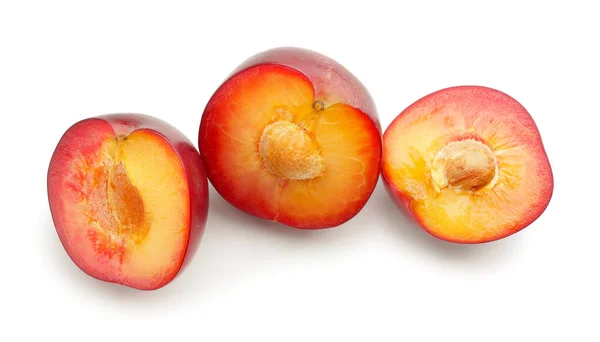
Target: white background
(376, 278)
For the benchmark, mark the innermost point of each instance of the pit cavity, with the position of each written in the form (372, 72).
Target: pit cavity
(465, 165)
(115, 204)
(125, 201)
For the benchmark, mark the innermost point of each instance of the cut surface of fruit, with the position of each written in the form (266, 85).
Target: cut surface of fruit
(469, 164)
(275, 151)
(121, 204)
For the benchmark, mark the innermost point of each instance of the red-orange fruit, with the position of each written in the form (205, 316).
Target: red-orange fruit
(129, 198)
(468, 163)
(292, 136)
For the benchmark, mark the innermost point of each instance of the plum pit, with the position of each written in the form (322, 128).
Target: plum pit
(465, 165)
(289, 151)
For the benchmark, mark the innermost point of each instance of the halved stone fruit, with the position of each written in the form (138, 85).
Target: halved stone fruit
(128, 196)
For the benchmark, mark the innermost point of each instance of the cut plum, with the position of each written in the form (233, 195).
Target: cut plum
(122, 199)
(469, 164)
(276, 150)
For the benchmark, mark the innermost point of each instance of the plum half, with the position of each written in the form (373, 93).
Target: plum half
(468, 163)
(292, 136)
(129, 198)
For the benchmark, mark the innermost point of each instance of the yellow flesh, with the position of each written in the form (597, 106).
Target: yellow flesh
(348, 160)
(241, 130)
(503, 199)
(285, 155)
(137, 207)
(310, 149)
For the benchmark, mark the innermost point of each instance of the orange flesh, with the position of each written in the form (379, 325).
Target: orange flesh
(509, 190)
(275, 151)
(130, 212)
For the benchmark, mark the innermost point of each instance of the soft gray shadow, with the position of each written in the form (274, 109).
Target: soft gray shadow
(408, 234)
(224, 259)
(222, 209)
(58, 260)
(236, 244)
